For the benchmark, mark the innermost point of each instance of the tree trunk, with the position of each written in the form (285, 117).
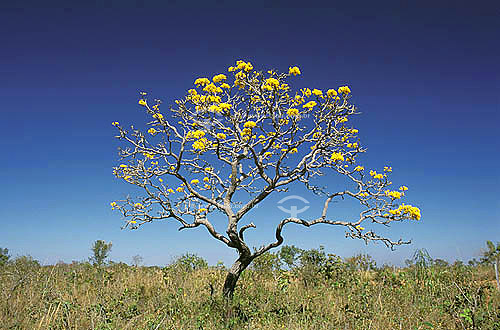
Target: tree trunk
(496, 273)
(234, 274)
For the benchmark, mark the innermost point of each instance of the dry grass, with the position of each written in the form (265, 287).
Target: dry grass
(81, 296)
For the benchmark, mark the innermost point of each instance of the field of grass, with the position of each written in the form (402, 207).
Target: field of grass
(336, 296)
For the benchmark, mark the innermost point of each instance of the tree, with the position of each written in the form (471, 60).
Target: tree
(492, 256)
(137, 260)
(100, 252)
(4, 256)
(240, 139)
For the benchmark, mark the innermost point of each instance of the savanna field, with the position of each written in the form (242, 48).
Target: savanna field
(313, 290)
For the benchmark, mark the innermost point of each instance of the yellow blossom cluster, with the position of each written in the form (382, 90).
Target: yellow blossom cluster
(309, 105)
(201, 82)
(195, 134)
(152, 131)
(393, 194)
(218, 78)
(271, 84)
(344, 90)
(403, 188)
(294, 70)
(317, 92)
(221, 136)
(376, 175)
(359, 168)
(387, 169)
(412, 211)
(292, 112)
(336, 156)
(138, 206)
(158, 116)
(331, 93)
(249, 124)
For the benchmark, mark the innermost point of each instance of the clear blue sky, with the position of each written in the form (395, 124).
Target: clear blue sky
(425, 76)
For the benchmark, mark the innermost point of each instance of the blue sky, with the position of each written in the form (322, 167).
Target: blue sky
(426, 78)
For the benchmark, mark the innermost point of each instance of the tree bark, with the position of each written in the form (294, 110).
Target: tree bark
(496, 273)
(234, 274)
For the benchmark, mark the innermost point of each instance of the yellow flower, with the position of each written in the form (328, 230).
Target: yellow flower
(113, 205)
(342, 119)
(331, 92)
(206, 179)
(344, 90)
(142, 102)
(378, 176)
(354, 131)
(202, 210)
(387, 169)
(267, 154)
(201, 81)
(123, 165)
(170, 190)
(133, 222)
(403, 188)
(225, 106)
(128, 177)
(221, 136)
(214, 108)
(359, 168)
(192, 92)
(138, 206)
(393, 194)
(337, 156)
(292, 112)
(306, 91)
(294, 70)
(358, 227)
(272, 82)
(200, 144)
(317, 92)
(250, 124)
(179, 189)
(248, 67)
(293, 150)
(152, 131)
(219, 78)
(115, 123)
(158, 116)
(224, 85)
(195, 181)
(208, 169)
(160, 179)
(231, 69)
(148, 155)
(309, 105)
(240, 64)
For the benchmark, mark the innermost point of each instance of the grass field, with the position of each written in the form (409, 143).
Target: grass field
(339, 295)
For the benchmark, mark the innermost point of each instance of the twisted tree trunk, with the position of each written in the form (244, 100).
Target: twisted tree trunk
(234, 274)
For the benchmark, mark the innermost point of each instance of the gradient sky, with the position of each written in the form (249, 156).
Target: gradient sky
(426, 78)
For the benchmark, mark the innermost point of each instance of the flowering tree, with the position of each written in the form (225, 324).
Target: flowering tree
(240, 138)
